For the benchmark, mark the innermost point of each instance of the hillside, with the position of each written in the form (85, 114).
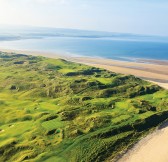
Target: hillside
(55, 110)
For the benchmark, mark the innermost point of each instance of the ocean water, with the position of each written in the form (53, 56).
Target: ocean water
(120, 47)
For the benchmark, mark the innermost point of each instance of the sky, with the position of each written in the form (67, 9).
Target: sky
(124, 16)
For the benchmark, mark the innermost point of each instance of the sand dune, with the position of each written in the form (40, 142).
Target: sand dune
(154, 147)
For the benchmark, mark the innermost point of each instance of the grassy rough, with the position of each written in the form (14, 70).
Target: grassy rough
(55, 110)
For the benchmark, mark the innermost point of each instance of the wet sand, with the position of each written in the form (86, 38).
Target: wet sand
(155, 71)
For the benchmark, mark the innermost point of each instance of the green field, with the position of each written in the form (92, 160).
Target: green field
(57, 111)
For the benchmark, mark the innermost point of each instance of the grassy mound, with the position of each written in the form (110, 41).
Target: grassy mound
(55, 110)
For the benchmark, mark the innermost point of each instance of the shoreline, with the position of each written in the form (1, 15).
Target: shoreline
(156, 71)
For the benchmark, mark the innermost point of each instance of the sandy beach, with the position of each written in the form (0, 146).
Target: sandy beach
(155, 71)
(153, 148)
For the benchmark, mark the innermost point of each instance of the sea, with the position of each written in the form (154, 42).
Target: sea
(72, 42)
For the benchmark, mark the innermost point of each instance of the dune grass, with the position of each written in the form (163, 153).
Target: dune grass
(55, 110)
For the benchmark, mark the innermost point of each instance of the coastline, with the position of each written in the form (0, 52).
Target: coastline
(154, 71)
(145, 150)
